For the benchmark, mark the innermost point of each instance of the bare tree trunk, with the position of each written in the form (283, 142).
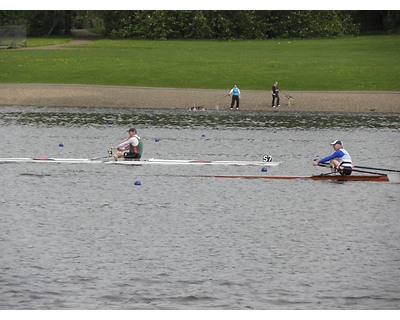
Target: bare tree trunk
(53, 20)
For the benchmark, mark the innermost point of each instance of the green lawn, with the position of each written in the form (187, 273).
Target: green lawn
(353, 63)
(46, 41)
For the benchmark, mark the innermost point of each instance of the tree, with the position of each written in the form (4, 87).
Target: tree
(228, 24)
(377, 21)
(208, 24)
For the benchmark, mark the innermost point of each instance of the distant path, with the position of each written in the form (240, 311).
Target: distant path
(74, 95)
(80, 36)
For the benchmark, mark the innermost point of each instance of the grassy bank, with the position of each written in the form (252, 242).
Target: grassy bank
(360, 63)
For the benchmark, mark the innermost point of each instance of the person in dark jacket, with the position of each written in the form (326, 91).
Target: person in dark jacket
(275, 95)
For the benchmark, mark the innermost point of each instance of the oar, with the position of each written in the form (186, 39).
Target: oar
(355, 170)
(379, 169)
(325, 165)
(104, 157)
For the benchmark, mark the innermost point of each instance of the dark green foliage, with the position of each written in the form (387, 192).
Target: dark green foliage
(228, 24)
(40, 22)
(208, 24)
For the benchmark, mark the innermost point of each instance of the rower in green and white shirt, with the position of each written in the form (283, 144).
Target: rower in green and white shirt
(131, 148)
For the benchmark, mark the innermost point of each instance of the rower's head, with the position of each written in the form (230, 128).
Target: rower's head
(337, 144)
(132, 132)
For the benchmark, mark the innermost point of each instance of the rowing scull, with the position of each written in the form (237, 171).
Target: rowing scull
(380, 178)
(141, 162)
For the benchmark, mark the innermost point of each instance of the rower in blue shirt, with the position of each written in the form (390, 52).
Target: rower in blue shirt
(339, 160)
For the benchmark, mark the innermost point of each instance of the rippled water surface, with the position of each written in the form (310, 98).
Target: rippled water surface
(83, 236)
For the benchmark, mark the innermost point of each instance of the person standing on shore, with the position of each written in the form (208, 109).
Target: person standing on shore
(275, 95)
(340, 160)
(235, 92)
(131, 148)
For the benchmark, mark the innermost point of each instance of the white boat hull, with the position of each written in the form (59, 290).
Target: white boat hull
(140, 162)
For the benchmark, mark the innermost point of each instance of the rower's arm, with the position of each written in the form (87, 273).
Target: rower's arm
(133, 141)
(337, 154)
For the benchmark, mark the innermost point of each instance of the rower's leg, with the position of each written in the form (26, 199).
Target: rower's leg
(334, 165)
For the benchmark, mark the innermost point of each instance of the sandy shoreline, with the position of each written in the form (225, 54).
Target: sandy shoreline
(70, 95)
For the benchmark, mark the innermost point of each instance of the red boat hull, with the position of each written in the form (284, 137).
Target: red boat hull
(379, 178)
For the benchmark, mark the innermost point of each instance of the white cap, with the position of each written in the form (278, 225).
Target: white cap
(336, 142)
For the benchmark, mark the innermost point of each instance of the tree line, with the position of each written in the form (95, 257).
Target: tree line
(206, 24)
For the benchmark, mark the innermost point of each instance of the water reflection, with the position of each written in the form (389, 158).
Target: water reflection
(252, 120)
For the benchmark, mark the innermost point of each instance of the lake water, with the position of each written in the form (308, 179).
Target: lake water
(83, 236)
